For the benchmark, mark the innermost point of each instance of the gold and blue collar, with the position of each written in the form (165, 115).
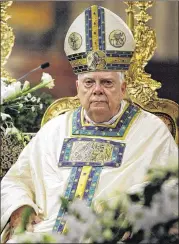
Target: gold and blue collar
(118, 129)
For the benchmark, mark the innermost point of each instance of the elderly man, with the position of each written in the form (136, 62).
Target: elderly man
(107, 144)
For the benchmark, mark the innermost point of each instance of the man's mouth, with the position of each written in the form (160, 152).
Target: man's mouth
(98, 101)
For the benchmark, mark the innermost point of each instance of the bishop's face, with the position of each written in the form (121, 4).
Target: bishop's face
(100, 94)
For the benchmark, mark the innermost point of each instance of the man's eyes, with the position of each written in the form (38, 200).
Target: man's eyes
(105, 83)
(89, 83)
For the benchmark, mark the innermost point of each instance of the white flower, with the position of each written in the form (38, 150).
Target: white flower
(14, 88)
(87, 226)
(29, 95)
(33, 108)
(15, 96)
(47, 80)
(81, 208)
(26, 86)
(33, 99)
(38, 100)
(10, 131)
(3, 90)
(10, 90)
(20, 105)
(26, 98)
(164, 207)
(168, 198)
(30, 237)
(75, 227)
(4, 80)
(5, 116)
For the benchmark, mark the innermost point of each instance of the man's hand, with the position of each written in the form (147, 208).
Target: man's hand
(17, 220)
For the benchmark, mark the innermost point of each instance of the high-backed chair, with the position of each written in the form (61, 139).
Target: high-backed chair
(141, 88)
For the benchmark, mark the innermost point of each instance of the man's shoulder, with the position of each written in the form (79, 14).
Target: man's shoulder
(55, 125)
(56, 121)
(145, 117)
(152, 120)
(148, 126)
(150, 117)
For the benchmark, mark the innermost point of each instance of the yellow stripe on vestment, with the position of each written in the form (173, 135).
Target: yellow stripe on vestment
(95, 37)
(81, 187)
(82, 181)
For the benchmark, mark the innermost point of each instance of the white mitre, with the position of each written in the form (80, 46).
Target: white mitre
(99, 40)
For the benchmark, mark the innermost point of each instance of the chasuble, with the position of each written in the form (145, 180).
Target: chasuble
(71, 158)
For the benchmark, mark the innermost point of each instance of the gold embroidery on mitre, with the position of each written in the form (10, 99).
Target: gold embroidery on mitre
(108, 60)
(78, 62)
(75, 41)
(117, 38)
(96, 60)
(117, 60)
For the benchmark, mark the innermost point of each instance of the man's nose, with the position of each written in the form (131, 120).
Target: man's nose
(98, 89)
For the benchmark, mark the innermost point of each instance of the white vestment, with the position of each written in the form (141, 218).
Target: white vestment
(37, 180)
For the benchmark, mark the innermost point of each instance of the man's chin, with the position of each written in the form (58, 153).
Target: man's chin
(99, 105)
(99, 109)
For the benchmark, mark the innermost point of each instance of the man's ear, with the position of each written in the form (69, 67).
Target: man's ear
(123, 87)
(77, 85)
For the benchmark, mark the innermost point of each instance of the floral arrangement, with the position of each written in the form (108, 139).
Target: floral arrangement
(17, 99)
(146, 214)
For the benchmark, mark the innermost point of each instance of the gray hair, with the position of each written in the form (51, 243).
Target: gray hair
(120, 73)
(121, 76)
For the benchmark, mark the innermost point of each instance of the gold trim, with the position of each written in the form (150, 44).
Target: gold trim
(7, 39)
(78, 62)
(140, 86)
(165, 106)
(109, 60)
(117, 60)
(130, 14)
(60, 106)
